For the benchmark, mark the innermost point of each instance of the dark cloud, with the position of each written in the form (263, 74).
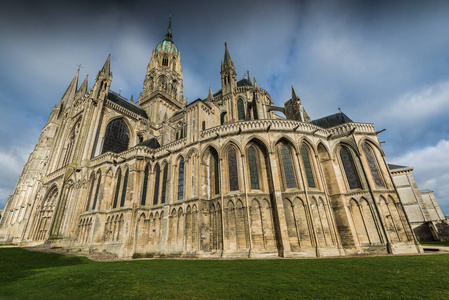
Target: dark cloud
(371, 58)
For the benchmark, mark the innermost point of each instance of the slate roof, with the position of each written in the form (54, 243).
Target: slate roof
(332, 120)
(152, 143)
(244, 82)
(125, 103)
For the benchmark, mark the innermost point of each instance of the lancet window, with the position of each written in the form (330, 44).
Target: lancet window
(350, 169)
(232, 168)
(307, 167)
(241, 109)
(164, 184)
(157, 172)
(125, 185)
(288, 166)
(181, 179)
(252, 162)
(96, 192)
(145, 185)
(370, 157)
(90, 193)
(117, 188)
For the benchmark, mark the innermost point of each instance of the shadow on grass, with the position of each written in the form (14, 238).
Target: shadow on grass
(16, 263)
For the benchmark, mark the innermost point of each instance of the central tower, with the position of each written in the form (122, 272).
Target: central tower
(162, 88)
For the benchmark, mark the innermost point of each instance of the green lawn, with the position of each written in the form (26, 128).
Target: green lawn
(436, 243)
(34, 275)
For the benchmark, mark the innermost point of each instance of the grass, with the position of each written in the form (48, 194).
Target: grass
(436, 243)
(34, 275)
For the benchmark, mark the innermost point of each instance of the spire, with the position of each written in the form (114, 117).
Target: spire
(249, 77)
(83, 89)
(210, 96)
(227, 57)
(294, 95)
(71, 90)
(106, 70)
(168, 34)
(255, 83)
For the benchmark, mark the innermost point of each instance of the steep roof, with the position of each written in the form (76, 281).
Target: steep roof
(125, 103)
(332, 120)
(244, 82)
(152, 143)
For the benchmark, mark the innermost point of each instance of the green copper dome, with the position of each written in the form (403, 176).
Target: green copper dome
(168, 46)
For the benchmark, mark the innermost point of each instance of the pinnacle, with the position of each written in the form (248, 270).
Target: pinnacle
(168, 34)
(294, 95)
(227, 57)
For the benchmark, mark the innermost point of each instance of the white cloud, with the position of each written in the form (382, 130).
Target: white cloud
(431, 169)
(413, 107)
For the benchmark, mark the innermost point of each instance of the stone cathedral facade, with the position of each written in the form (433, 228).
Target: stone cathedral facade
(222, 176)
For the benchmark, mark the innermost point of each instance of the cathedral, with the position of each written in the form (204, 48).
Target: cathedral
(227, 176)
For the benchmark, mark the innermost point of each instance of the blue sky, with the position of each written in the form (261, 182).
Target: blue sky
(382, 62)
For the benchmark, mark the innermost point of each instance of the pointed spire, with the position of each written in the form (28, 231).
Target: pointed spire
(106, 70)
(249, 77)
(168, 34)
(227, 57)
(255, 83)
(210, 96)
(83, 88)
(71, 89)
(294, 95)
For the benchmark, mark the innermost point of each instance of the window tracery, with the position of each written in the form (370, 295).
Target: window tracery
(116, 138)
(288, 166)
(181, 179)
(373, 165)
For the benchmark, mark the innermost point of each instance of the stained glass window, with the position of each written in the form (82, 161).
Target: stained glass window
(233, 173)
(164, 183)
(350, 170)
(216, 173)
(125, 185)
(90, 193)
(252, 161)
(288, 167)
(372, 165)
(181, 179)
(117, 188)
(157, 172)
(307, 167)
(96, 192)
(116, 138)
(145, 185)
(240, 109)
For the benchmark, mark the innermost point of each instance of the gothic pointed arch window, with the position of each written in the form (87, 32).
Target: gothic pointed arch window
(214, 166)
(289, 173)
(96, 192)
(373, 165)
(165, 61)
(181, 179)
(145, 185)
(350, 168)
(157, 171)
(92, 185)
(222, 118)
(232, 170)
(240, 109)
(116, 138)
(164, 184)
(307, 166)
(252, 162)
(125, 186)
(117, 188)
